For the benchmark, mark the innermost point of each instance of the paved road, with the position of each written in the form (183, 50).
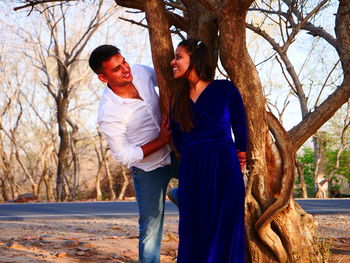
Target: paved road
(18, 211)
(325, 206)
(11, 211)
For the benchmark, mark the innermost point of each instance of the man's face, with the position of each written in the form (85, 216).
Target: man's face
(116, 72)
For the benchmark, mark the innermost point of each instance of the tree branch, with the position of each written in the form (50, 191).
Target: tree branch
(174, 19)
(33, 3)
(298, 89)
(302, 23)
(213, 5)
(134, 22)
(314, 120)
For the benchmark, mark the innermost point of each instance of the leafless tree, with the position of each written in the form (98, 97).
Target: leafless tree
(58, 60)
(11, 113)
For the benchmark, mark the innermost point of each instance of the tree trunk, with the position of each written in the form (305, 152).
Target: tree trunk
(76, 162)
(320, 148)
(8, 184)
(5, 190)
(98, 182)
(49, 187)
(301, 179)
(33, 184)
(46, 177)
(101, 156)
(110, 179)
(203, 25)
(62, 103)
(271, 214)
(162, 50)
(125, 183)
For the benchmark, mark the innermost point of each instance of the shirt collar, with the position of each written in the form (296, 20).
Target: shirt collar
(109, 92)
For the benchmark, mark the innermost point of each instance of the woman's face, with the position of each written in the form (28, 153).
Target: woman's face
(181, 62)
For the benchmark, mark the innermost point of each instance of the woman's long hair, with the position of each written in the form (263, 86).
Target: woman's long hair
(200, 62)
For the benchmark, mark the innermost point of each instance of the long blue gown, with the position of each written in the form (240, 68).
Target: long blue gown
(211, 189)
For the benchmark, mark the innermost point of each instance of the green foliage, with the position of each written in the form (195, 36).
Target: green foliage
(307, 162)
(306, 159)
(344, 163)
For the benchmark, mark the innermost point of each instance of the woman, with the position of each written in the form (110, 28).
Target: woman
(211, 188)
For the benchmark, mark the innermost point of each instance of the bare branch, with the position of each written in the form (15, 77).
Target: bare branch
(33, 3)
(282, 52)
(302, 23)
(325, 83)
(93, 25)
(134, 22)
(36, 112)
(314, 120)
(265, 60)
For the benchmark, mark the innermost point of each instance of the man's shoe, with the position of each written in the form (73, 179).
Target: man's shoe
(173, 196)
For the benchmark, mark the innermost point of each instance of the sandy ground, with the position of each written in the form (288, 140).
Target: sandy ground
(115, 240)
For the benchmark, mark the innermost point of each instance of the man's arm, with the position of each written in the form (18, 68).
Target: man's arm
(162, 140)
(126, 153)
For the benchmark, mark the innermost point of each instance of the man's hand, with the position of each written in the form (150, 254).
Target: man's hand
(162, 140)
(165, 133)
(242, 157)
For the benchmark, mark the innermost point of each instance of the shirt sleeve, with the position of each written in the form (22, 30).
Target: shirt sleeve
(149, 72)
(122, 150)
(238, 120)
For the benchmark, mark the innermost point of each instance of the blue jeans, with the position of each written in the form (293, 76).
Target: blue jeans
(150, 188)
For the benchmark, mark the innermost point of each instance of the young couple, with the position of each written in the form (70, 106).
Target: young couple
(203, 113)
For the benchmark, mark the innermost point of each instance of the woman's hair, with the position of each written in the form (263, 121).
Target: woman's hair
(200, 62)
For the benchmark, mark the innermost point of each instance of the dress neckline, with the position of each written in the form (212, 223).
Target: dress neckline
(195, 102)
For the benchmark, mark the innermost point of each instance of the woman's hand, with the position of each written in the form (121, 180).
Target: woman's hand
(242, 157)
(165, 133)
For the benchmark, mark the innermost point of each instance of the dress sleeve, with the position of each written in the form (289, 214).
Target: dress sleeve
(238, 119)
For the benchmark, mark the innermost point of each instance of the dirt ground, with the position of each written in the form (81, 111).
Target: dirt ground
(115, 240)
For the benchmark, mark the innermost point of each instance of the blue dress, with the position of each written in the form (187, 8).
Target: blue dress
(211, 188)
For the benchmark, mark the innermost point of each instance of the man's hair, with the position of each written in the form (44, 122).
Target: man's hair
(100, 55)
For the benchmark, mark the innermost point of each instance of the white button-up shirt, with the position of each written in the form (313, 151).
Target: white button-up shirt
(129, 124)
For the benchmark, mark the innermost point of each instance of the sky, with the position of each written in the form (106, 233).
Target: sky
(134, 44)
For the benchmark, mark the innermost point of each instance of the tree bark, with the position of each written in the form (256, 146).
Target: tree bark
(125, 182)
(162, 50)
(112, 195)
(320, 163)
(98, 182)
(75, 156)
(203, 25)
(100, 153)
(47, 173)
(301, 179)
(4, 190)
(62, 167)
(7, 189)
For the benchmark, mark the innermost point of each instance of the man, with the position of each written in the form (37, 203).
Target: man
(129, 116)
